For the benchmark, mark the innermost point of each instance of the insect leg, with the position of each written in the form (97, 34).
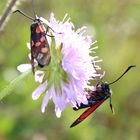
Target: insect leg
(32, 62)
(47, 32)
(111, 106)
(82, 106)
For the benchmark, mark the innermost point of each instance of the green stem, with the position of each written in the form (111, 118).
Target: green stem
(6, 91)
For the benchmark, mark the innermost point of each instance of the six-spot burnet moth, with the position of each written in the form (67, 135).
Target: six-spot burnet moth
(40, 50)
(95, 98)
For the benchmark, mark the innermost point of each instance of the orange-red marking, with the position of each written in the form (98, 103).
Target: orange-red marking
(37, 44)
(42, 39)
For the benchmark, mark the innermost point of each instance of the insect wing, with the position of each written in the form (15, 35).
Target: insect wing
(87, 113)
(39, 45)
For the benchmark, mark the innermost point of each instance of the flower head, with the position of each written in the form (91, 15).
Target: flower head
(64, 80)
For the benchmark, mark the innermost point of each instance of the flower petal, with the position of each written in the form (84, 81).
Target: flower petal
(39, 75)
(24, 67)
(29, 46)
(36, 94)
(45, 101)
(46, 22)
(58, 112)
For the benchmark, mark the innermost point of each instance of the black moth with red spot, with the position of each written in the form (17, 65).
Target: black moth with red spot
(40, 50)
(95, 98)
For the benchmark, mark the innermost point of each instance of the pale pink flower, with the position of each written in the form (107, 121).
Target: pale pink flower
(70, 69)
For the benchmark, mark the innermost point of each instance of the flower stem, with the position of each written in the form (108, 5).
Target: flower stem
(7, 90)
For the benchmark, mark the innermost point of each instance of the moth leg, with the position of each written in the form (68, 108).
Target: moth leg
(111, 106)
(47, 29)
(32, 63)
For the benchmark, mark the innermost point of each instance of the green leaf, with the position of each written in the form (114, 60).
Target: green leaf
(6, 91)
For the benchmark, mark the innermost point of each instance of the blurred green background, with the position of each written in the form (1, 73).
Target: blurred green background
(116, 26)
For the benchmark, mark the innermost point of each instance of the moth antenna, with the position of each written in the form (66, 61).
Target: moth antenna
(33, 8)
(111, 106)
(22, 13)
(131, 66)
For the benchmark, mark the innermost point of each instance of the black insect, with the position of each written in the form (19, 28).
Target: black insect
(40, 50)
(95, 98)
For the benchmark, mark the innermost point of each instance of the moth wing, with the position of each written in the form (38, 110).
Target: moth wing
(86, 113)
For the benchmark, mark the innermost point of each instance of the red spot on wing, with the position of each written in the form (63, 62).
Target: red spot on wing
(42, 39)
(87, 113)
(38, 30)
